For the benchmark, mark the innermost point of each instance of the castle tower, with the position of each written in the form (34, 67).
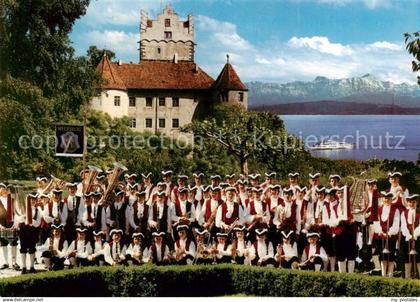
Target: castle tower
(229, 88)
(168, 38)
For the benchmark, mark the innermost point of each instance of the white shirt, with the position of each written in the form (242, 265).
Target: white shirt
(111, 256)
(159, 252)
(263, 252)
(229, 213)
(221, 250)
(182, 245)
(393, 225)
(312, 252)
(213, 206)
(289, 251)
(60, 253)
(258, 206)
(83, 250)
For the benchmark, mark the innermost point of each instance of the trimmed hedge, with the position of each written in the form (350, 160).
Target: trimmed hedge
(202, 281)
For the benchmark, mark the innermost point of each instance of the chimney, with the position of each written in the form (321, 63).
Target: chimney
(176, 58)
(119, 62)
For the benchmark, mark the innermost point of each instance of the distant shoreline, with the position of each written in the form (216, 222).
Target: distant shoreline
(335, 108)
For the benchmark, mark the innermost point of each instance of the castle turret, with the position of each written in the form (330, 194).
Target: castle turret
(168, 38)
(229, 87)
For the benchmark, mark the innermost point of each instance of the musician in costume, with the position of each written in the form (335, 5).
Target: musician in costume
(286, 216)
(335, 180)
(209, 211)
(130, 180)
(346, 233)
(229, 213)
(410, 229)
(293, 181)
(8, 227)
(314, 255)
(203, 253)
(386, 233)
(222, 250)
(138, 216)
(184, 210)
(270, 180)
(54, 250)
(198, 183)
(320, 195)
(88, 216)
(29, 224)
(254, 179)
(118, 214)
(242, 195)
(167, 180)
(240, 246)
(192, 193)
(161, 215)
(287, 252)
(328, 227)
(258, 212)
(41, 183)
(159, 250)
(115, 250)
(399, 192)
(304, 210)
(74, 211)
(230, 179)
(160, 187)
(131, 197)
(98, 248)
(147, 185)
(54, 211)
(137, 251)
(261, 252)
(80, 249)
(184, 247)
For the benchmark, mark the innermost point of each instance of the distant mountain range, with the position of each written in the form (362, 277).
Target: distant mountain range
(361, 90)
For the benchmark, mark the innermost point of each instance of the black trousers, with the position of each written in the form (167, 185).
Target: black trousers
(288, 264)
(346, 247)
(405, 250)
(57, 263)
(380, 245)
(269, 261)
(128, 258)
(28, 237)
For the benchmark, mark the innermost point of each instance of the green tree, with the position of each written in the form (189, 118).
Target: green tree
(247, 134)
(95, 54)
(412, 42)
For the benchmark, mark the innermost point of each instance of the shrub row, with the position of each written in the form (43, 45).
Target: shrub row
(203, 281)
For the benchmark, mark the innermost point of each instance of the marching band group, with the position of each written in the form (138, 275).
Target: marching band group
(243, 220)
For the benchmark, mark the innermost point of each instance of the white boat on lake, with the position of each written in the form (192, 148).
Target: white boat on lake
(331, 145)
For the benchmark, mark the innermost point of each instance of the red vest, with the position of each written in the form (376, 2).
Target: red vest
(235, 214)
(252, 210)
(416, 220)
(208, 208)
(307, 247)
(178, 208)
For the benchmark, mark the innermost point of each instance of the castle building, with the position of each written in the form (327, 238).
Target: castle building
(166, 89)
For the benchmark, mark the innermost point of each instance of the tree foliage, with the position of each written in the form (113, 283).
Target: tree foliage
(412, 42)
(95, 54)
(247, 134)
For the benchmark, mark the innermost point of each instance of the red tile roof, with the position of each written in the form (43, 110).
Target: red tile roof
(228, 79)
(158, 75)
(111, 78)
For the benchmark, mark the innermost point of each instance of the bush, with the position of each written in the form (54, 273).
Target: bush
(203, 281)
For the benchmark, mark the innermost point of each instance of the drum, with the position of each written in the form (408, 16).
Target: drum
(9, 234)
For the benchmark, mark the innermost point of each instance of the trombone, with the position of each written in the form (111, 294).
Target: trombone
(119, 169)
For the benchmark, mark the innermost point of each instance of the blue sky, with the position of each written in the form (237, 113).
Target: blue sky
(271, 40)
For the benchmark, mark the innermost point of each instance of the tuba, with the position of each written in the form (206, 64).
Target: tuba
(119, 169)
(55, 182)
(88, 182)
(359, 196)
(19, 200)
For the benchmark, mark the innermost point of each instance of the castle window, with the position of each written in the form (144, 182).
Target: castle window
(149, 101)
(158, 50)
(162, 101)
(168, 35)
(175, 123)
(175, 102)
(161, 123)
(240, 96)
(133, 123)
(148, 123)
(132, 101)
(117, 100)
(195, 99)
(167, 22)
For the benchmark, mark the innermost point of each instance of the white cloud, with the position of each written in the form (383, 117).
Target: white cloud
(385, 45)
(321, 44)
(123, 44)
(373, 4)
(300, 58)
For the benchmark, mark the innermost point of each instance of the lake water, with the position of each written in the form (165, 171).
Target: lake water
(380, 136)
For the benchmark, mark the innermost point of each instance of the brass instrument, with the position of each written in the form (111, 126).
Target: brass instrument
(412, 251)
(234, 250)
(88, 182)
(119, 169)
(54, 183)
(282, 215)
(212, 219)
(179, 254)
(232, 226)
(359, 196)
